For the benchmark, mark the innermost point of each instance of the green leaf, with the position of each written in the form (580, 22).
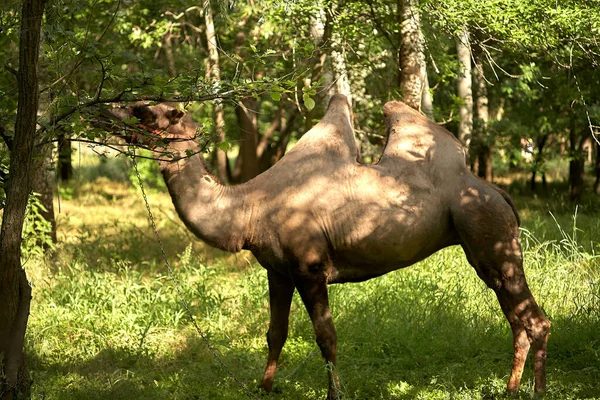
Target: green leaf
(276, 96)
(309, 103)
(224, 145)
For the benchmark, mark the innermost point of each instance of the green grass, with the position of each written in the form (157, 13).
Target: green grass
(106, 321)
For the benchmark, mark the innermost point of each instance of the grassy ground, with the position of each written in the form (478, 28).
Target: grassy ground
(106, 322)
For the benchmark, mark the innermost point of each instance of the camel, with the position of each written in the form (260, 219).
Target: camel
(319, 217)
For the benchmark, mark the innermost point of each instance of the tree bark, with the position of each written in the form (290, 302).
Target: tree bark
(321, 33)
(481, 134)
(411, 56)
(465, 91)
(426, 100)
(65, 162)
(215, 75)
(576, 166)
(537, 162)
(15, 292)
(247, 166)
(338, 62)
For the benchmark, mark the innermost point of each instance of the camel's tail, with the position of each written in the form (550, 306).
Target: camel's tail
(510, 203)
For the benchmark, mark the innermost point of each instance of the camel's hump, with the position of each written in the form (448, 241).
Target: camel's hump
(396, 111)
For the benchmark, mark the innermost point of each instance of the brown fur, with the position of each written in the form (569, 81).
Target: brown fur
(319, 217)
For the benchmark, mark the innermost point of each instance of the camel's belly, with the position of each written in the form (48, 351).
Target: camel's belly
(383, 241)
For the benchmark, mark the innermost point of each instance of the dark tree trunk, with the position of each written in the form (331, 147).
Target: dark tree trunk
(247, 166)
(597, 183)
(537, 162)
(485, 169)
(273, 153)
(483, 140)
(65, 164)
(576, 167)
(15, 292)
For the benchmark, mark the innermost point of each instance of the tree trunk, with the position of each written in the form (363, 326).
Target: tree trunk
(465, 91)
(426, 100)
(215, 75)
(597, 183)
(65, 163)
(481, 135)
(320, 32)
(15, 292)
(42, 184)
(576, 166)
(247, 166)
(537, 162)
(411, 57)
(338, 63)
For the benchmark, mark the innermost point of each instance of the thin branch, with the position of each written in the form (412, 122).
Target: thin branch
(262, 145)
(102, 80)
(381, 28)
(10, 69)
(110, 22)
(117, 147)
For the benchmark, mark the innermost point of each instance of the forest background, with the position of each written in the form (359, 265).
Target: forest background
(516, 81)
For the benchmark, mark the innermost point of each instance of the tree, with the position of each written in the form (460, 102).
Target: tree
(483, 141)
(411, 54)
(215, 76)
(465, 90)
(15, 292)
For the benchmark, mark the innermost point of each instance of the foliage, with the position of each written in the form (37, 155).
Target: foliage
(37, 232)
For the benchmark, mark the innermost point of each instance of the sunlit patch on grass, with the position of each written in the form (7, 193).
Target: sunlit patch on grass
(107, 322)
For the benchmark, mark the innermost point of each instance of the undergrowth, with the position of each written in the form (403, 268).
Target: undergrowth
(107, 323)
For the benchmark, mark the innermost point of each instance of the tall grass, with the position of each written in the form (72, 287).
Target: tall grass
(106, 322)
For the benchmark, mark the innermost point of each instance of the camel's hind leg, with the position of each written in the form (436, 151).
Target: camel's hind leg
(489, 236)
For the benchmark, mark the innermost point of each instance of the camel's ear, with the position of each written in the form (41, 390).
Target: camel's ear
(174, 114)
(144, 114)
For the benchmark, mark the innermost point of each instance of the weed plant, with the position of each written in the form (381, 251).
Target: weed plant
(107, 323)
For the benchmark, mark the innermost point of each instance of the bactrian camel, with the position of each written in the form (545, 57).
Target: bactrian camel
(319, 216)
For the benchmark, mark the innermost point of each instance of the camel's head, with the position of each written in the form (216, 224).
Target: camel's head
(158, 124)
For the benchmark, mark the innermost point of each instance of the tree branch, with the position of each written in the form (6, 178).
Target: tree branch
(10, 69)
(382, 29)
(264, 140)
(123, 98)
(117, 147)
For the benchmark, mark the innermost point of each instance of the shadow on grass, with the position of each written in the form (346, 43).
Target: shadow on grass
(407, 358)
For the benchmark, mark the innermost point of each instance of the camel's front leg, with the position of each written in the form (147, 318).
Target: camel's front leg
(313, 291)
(281, 290)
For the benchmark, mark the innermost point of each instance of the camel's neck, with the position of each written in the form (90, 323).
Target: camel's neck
(214, 212)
